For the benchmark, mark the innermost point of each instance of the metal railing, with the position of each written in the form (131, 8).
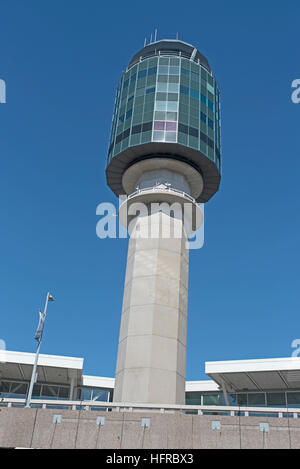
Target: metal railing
(278, 412)
(170, 53)
(162, 190)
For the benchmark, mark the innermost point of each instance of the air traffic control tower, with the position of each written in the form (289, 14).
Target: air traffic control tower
(164, 152)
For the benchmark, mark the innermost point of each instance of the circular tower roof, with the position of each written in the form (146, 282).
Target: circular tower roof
(170, 45)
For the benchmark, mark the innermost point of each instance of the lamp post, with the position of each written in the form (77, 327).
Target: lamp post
(38, 338)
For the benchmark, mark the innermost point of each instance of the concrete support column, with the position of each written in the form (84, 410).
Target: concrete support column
(152, 343)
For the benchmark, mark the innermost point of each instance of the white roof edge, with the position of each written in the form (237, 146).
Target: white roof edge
(265, 364)
(98, 381)
(104, 382)
(204, 385)
(27, 358)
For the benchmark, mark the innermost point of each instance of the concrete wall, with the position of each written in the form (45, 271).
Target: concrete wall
(34, 428)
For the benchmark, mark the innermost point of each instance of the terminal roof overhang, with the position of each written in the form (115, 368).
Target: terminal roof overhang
(278, 374)
(256, 375)
(51, 368)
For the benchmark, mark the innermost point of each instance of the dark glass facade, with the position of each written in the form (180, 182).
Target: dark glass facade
(168, 100)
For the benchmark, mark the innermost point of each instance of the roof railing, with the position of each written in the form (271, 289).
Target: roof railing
(277, 412)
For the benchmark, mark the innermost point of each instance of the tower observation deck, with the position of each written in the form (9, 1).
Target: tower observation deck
(164, 149)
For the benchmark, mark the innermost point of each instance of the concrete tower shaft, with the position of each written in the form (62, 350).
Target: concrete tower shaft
(152, 343)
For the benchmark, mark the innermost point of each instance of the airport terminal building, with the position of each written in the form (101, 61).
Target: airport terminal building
(246, 383)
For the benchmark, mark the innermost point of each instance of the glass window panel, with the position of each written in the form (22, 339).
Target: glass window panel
(171, 116)
(193, 132)
(136, 129)
(210, 105)
(185, 72)
(210, 123)
(194, 121)
(172, 97)
(135, 139)
(182, 138)
(142, 73)
(51, 392)
(173, 87)
(184, 90)
(146, 137)
(163, 61)
(194, 93)
(163, 69)
(138, 109)
(232, 399)
(171, 126)
(161, 96)
(193, 398)
(140, 92)
(141, 83)
(151, 80)
(100, 395)
(194, 111)
(63, 392)
(4, 387)
(36, 392)
(162, 106)
(174, 70)
(152, 71)
(276, 399)
(210, 88)
(256, 399)
(241, 398)
(159, 125)
(210, 133)
(18, 389)
(86, 394)
(158, 136)
(212, 399)
(148, 116)
(173, 78)
(149, 107)
(159, 115)
(162, 78)
(146, 126)
(170, 137)
(150, 90)
(193, 142)
(172, 106)
(162, 86)
(210, 79)
(293, 399)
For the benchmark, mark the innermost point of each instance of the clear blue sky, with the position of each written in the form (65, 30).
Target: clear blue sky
(61, 61)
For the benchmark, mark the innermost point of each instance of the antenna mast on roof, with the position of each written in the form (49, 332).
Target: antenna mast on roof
(177, 36)
(145, 41)
(155, 35)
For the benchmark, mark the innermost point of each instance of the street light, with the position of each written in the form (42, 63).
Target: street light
(38, 337)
